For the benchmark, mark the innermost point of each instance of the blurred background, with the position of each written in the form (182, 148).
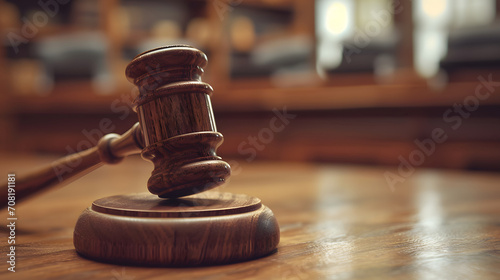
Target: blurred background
(338, 81)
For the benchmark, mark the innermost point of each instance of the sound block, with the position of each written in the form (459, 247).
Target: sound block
(203, 229)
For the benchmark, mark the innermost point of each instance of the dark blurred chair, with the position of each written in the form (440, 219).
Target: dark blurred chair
(75, 56)
(475, 47)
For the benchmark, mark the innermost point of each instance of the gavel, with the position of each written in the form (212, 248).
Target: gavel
(177, 223)
(176, 131)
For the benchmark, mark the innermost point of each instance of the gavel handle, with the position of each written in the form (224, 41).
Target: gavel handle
(111, 149)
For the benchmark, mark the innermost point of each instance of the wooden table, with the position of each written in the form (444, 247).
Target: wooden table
(337, 222)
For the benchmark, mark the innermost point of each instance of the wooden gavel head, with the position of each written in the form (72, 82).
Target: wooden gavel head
(177, 122)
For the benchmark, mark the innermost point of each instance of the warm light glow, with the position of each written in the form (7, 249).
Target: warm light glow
(334, 23)
(434, 8)
(432, 18)
(337, 18)
(433, 13)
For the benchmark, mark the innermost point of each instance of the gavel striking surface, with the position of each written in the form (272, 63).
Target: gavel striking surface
(203, 229)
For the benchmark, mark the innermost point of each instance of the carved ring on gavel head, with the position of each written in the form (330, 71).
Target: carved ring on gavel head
(175, 114)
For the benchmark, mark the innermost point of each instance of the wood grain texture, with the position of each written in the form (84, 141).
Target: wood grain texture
(337, 222)
(203, 229)
(177, 121)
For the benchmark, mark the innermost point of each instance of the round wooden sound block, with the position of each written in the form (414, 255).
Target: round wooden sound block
(202, 229)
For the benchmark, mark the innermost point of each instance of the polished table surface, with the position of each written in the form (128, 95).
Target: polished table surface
(337, 222)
